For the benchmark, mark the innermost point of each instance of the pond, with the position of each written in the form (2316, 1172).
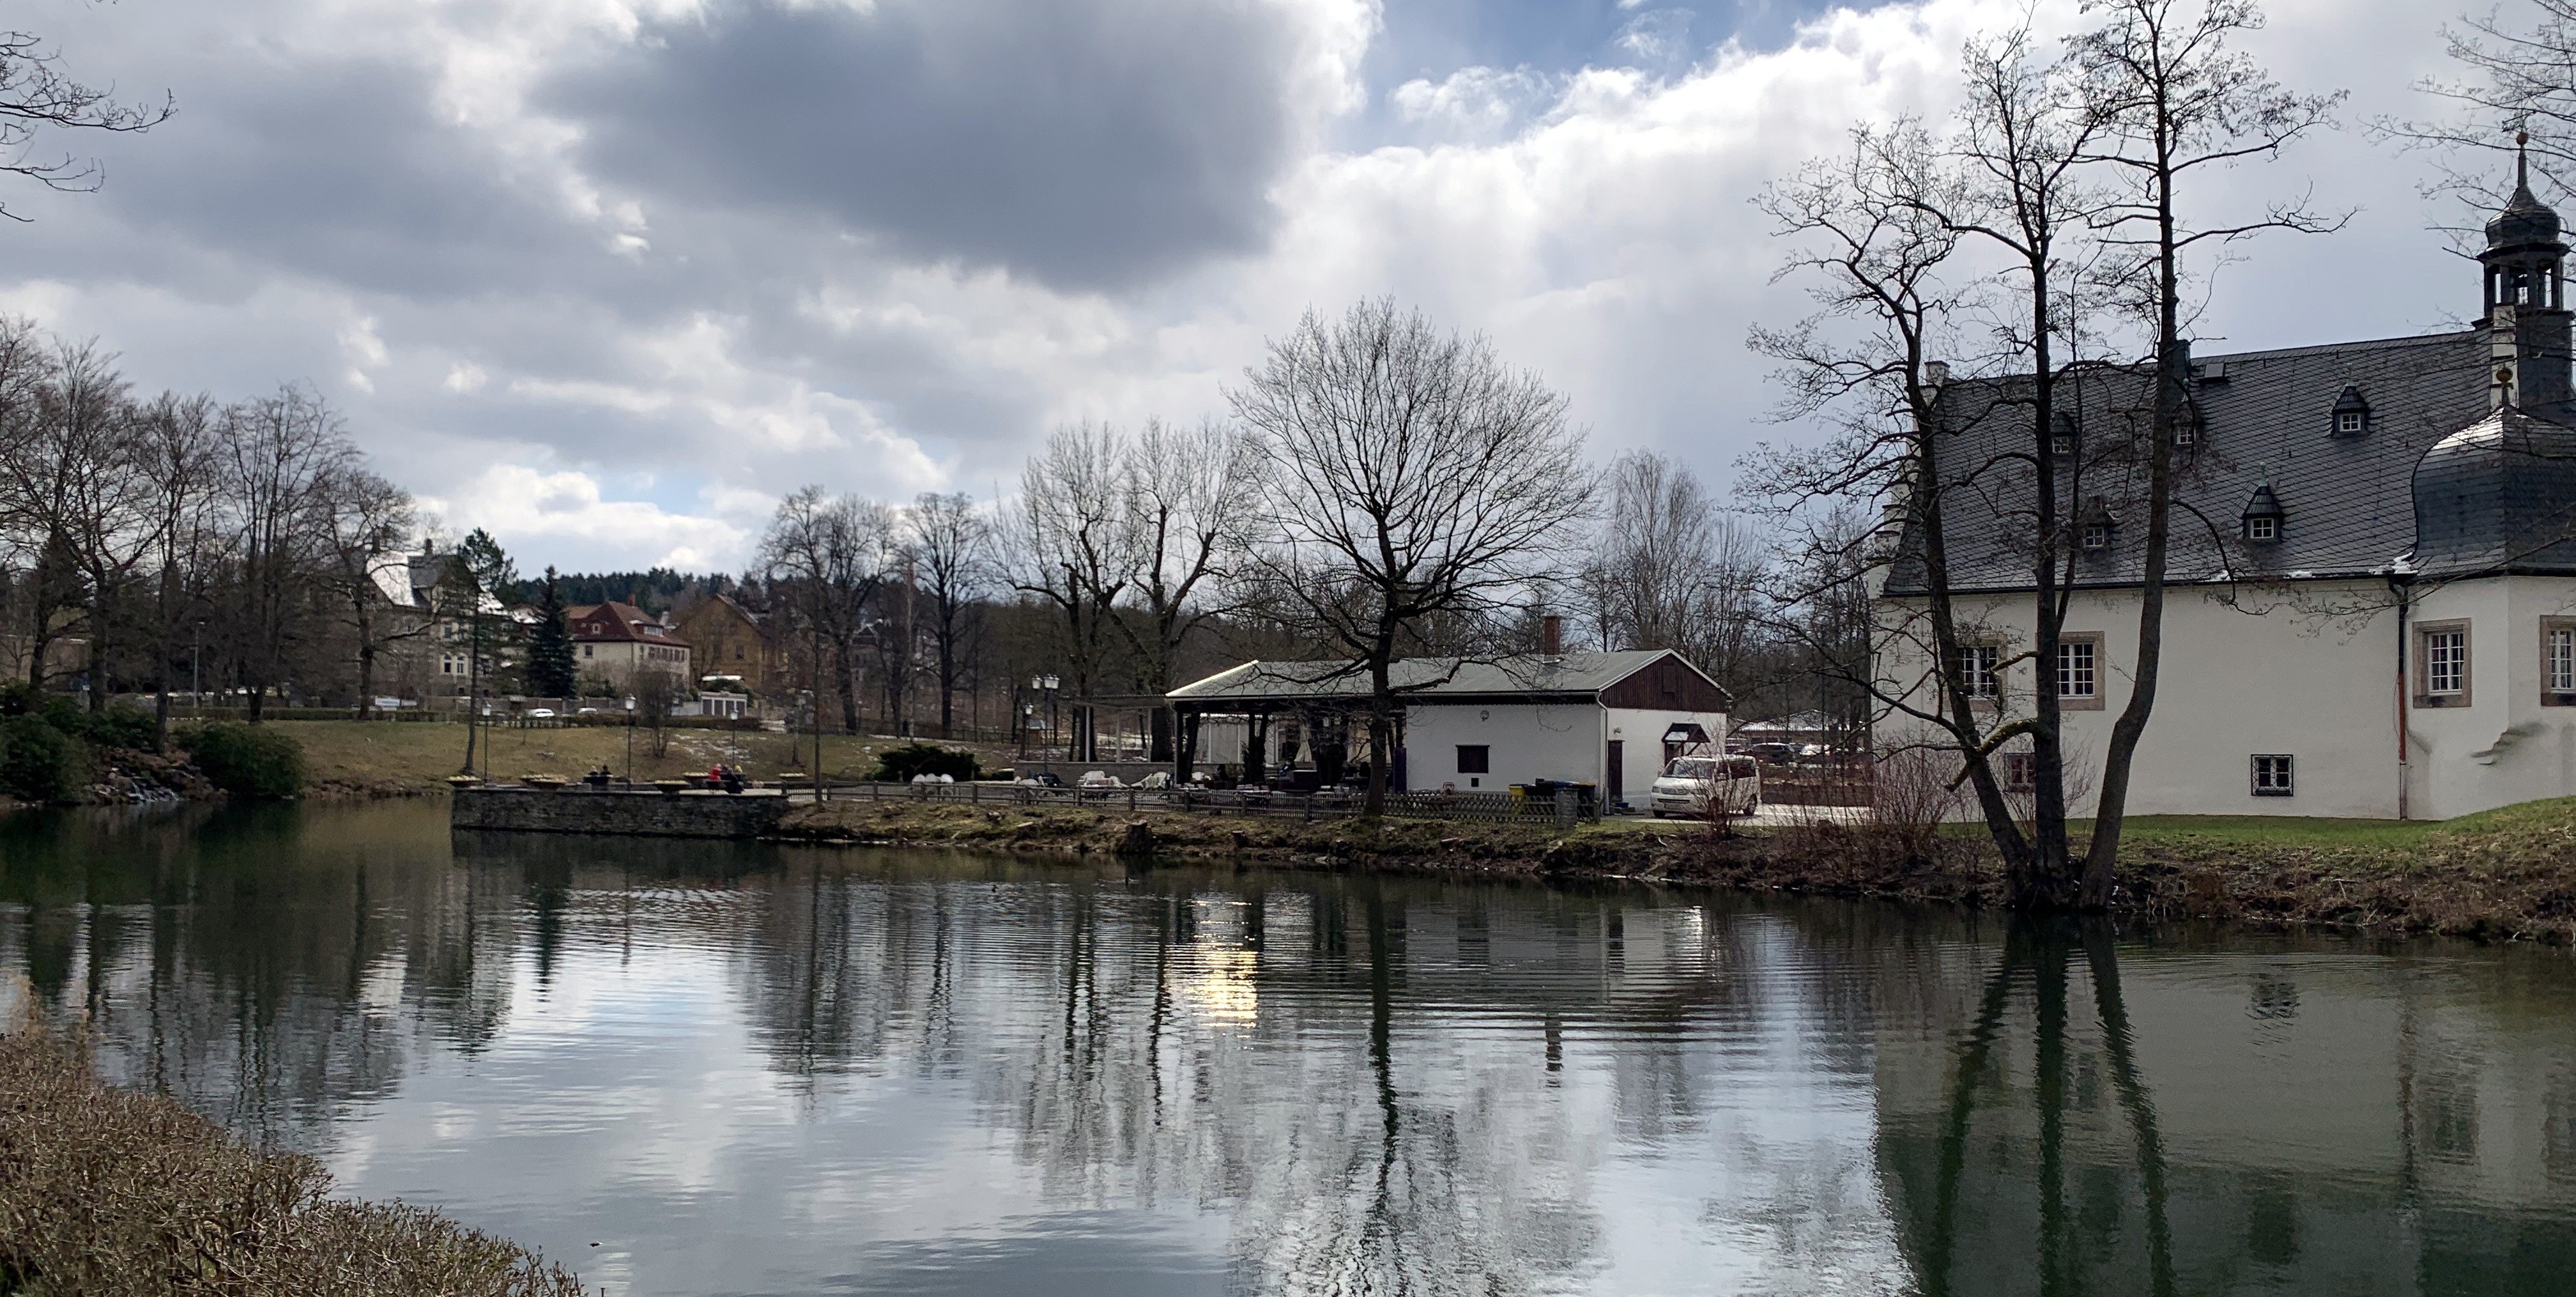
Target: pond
(715, 1068)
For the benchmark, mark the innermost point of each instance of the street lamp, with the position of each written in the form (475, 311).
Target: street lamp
(630, 740)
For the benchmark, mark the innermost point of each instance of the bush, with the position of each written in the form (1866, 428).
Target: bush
(39, 763)
(120, 726)
(246, 760)
(901, 764)
(121, 1194)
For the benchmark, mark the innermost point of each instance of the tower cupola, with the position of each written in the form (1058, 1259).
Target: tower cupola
(2526, 296)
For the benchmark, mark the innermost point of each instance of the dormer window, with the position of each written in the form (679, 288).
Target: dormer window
(2064, 433)
(2263, 516)
(2351, 416)
(2096, 537)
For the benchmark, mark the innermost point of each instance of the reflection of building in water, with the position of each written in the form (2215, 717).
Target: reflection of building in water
(2323, 1123)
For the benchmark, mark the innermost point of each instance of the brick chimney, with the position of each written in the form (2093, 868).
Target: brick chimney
(1551, 636)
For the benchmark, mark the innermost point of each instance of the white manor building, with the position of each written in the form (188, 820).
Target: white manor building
(2371, 607)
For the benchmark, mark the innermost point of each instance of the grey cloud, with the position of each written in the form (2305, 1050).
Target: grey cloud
(1091, 145)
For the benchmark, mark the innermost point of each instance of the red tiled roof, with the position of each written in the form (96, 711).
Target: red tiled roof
(622, 623)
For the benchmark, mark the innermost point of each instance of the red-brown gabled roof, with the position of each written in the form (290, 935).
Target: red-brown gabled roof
(623, 623)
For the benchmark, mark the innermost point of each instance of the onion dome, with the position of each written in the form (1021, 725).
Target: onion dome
(2525, 219)
(2497, 496)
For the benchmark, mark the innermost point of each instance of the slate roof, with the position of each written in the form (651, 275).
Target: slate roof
(2265, 418)
(2498, 496)
(1438, 679)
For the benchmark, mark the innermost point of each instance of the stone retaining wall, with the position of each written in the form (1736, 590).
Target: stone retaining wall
(618, 811)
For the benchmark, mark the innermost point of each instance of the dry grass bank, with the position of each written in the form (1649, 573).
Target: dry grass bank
(386, 758)
(2507, 874)
(113, 1193)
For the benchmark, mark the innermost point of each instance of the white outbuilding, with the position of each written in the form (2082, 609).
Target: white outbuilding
(1609, 720)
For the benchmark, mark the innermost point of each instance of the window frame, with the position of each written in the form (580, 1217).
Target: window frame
(2092, 702)
(2262, 528)
(1990, 658)
(2287, 782)
(1484, 759)
(2424, 693)
(2350, 423)
(2550, 627)
(2021, 772)
(2086, 534)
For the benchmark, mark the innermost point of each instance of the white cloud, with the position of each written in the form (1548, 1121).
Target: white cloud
(538, 515)
(587, 335)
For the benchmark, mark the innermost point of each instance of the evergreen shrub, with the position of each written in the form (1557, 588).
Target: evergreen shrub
(39, 763)
(246, 760)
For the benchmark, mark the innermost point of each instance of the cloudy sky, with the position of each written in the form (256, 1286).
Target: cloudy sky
(611, 276)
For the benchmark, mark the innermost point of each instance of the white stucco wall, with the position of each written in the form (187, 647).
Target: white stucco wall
(2311, 673)
(1528, 742)
(1524, 741)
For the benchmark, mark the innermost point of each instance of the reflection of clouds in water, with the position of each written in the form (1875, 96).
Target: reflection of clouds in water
(802, 1071)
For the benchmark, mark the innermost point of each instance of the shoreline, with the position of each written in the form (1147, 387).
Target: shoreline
(2506, 876)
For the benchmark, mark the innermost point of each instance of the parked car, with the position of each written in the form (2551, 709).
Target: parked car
(1042, 779)
(1100, 779)
(1707, 787)
(587, 711)
(1778, 754)
(1158, 779)
(541, 713)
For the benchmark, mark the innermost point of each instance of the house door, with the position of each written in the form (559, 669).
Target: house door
(1616, 792)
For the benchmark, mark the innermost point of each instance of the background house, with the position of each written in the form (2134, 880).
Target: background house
(617, 642)
(727, 639)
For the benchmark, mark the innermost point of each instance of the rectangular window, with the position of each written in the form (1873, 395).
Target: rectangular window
(1474, 759)
(2079, 676)
(2442, 664)
(2558, 661)
(2347, 422)
(2096, 536)
(2263, 527)
(1977, 670)
(2274, 776)
(2021, 772)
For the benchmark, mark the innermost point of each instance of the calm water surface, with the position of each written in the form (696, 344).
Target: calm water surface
(693, 1068)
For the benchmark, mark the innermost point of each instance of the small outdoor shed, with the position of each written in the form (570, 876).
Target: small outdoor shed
(1606, 719)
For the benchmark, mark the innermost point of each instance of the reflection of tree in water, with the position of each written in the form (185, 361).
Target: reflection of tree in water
(1243, 1046)
(264, 967)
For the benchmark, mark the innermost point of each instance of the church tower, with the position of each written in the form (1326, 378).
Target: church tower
(2526, 297)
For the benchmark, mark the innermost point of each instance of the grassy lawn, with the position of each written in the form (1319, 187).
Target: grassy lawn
(2269, 831)
(420, 754)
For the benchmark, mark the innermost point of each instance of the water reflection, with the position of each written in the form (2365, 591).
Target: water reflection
(740, 1069)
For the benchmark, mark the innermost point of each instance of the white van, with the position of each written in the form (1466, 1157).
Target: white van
(1706, 787)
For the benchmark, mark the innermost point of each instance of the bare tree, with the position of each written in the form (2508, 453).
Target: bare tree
(280, 455)
(1672, 570)
(367, 518)
(174, 454)
(37, 97)
(1407, 475)
(829, 556)
(2180, 100)
(2521, 77)
(1074, 550)
(951, 542)
(2068, 171)
(1186, 492)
